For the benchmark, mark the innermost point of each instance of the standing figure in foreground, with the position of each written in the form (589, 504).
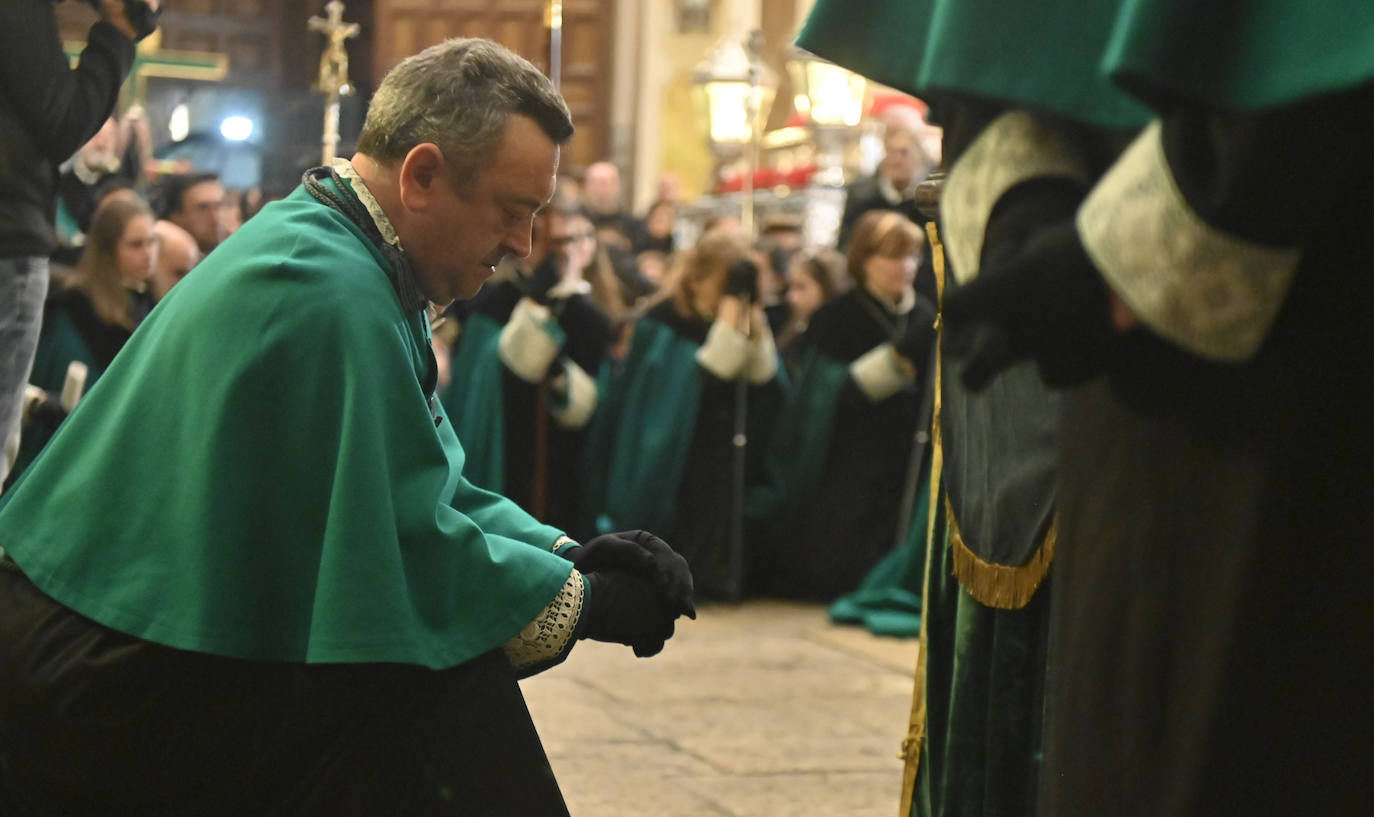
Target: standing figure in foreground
(47, 110)
(282, 596)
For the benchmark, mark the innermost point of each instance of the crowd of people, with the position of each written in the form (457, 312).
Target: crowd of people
(752, 400)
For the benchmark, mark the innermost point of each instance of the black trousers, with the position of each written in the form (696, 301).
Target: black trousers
(95, 722)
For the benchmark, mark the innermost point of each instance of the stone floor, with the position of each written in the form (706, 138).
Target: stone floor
(764, 709)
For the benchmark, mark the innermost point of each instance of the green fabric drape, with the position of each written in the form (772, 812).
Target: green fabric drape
(637, 444)
(981, 754)
(800, 440)
(1042, 55)
(475, 399)
(888, 601)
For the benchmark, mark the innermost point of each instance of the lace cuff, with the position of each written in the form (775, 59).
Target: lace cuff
(1015, 148)
(1212, 293)
(546, 640)
(879, 373)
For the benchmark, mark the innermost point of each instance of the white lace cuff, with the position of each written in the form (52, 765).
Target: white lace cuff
(878, 373)
(579, 397)
(546, 638)
(530, 340)
(725, 351)
(1212, 293)
(1015, 148)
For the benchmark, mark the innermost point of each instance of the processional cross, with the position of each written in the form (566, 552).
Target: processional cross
(333, 80)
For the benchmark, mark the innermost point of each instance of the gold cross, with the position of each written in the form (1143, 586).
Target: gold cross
(334, 61)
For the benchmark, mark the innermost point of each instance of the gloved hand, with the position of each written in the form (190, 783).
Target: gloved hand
(915, 341)
(742, 280)
(1047, 302)
(643, 554)
(625, 608)
(137, 18)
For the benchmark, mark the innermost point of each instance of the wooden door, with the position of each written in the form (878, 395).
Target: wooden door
(403, 27)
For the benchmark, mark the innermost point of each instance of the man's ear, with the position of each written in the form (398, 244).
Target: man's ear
(423, 171)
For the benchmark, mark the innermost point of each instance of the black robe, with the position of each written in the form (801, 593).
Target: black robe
(848, 519)
(589, 336)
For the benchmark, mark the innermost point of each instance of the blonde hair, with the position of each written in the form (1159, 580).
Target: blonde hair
(882, 232)
(97, 273)
(710, 258)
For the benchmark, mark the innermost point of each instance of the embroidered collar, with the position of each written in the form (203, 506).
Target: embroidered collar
(345, 169)
(406, 285)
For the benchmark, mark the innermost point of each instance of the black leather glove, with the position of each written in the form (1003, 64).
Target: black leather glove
(144, 17)
(742, 280)
(643, 554)
(1037, 296)
(915, 341)
(625, 608)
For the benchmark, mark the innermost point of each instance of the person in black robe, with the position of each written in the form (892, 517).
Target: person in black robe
(862, 354)
(547, 381)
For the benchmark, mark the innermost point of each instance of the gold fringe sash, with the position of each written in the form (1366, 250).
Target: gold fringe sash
(1005, 587)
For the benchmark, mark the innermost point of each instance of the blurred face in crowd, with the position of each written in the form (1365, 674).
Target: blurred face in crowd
(659, 220)
(890, 275)
(459, 232)
(804, 294)
(137, 249)
(902, 157)
(177, 253)
(573, 238)
(200, 214)
(601, 188)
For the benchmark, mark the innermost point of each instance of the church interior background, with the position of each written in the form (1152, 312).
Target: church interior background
(233, 86)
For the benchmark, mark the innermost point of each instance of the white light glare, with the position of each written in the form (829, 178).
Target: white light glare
(236, 128)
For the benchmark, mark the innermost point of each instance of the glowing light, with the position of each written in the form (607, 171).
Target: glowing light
(236, 128)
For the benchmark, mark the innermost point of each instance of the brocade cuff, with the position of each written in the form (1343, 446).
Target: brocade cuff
(1211, 292)
(1015, 148)
(545, 640)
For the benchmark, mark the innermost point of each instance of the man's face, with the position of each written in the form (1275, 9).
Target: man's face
(601, 188)
(901, 156)
(465, 233)
(199, 214)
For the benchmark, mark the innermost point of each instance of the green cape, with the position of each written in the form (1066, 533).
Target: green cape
(1042, 55)
(475, 399)
(259, 475)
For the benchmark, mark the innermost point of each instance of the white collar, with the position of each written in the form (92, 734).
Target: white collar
(345, 169)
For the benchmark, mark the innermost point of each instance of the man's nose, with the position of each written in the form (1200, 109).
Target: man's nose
(520, 240)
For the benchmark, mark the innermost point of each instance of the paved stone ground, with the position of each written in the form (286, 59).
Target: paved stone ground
(763, 709)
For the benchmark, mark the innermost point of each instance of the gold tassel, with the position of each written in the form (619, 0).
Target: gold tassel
(1005, 587)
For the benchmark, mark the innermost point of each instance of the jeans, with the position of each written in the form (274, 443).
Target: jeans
(23, 286)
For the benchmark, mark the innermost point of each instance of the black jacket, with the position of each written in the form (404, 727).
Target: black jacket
(47, 111)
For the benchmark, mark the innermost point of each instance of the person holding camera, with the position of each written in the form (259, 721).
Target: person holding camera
(47, 111)
(663, 445)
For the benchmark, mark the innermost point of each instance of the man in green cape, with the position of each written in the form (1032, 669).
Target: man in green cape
(248, 575)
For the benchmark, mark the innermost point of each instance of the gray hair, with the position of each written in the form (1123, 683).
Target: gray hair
(459, 95)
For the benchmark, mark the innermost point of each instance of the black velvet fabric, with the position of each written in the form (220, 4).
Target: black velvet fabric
(94, 722)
